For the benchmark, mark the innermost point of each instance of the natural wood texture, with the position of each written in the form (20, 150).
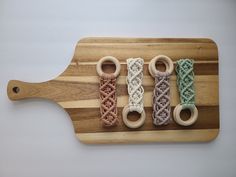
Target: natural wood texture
(76, 89)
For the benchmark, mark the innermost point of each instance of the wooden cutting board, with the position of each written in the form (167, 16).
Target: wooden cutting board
(76, 89)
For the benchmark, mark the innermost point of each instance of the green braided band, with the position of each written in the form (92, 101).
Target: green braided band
(185, 79)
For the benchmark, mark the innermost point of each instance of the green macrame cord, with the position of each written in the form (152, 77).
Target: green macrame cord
(185, 80)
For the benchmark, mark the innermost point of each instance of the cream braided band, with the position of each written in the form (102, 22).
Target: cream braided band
(135, 91)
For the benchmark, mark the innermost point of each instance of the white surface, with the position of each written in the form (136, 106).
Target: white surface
(37, 40)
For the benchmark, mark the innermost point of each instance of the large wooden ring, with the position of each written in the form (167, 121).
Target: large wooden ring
(108, 58)
(191, 120)
(132, 124)
(167, 62)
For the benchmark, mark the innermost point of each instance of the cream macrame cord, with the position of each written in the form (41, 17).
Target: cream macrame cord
(135, 91)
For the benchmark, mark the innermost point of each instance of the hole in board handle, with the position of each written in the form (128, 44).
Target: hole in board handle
(16, 89)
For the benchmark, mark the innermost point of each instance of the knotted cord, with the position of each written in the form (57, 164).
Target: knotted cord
(185, 80)
(134, 82)
(108, 98)
(161, 99)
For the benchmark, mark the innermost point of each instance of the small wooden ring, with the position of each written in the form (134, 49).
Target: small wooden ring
(191, 120)
(108, 58)
(167, 62)
(132, 124)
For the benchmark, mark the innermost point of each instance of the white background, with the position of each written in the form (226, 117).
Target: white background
(37, 40)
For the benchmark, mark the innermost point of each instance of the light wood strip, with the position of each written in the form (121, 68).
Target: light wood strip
(122, 52)
(149, 136)
(207, 85)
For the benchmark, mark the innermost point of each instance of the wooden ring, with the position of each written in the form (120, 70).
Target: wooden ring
(132, 124)
(167, 62)
(108, 58)
(191, 120)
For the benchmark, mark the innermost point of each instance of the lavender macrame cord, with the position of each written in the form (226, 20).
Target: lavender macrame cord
(161, 99)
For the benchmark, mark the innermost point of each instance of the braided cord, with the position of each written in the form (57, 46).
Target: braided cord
(108, 98)
(185, 80)
(134, 82)
(161, 99)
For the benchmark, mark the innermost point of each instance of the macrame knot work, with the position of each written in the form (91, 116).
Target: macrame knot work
(134, 82)
(185, 79)
(108, 100)
(161, 99)
(185, 83)
(135, 91)
(108, 107)
(161, 95)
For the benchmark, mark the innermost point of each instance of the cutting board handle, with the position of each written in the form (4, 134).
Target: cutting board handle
(17, 90)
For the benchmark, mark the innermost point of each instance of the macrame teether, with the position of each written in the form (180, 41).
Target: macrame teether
(161, 93)
(107, 90)
(185, 83)
(136, 91)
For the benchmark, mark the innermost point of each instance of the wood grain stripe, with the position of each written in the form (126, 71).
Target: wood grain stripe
(86, 69)
(149, 136)
(202, 49)
(87, 120)
(90, 97)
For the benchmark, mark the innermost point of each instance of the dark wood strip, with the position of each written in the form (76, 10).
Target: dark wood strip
(90, 70)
